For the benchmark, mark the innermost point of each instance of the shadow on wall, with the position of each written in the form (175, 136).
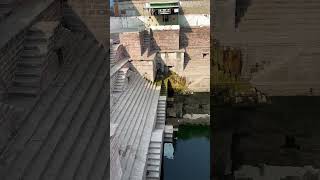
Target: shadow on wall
(241, 8)
(184, 41)
(79, 17)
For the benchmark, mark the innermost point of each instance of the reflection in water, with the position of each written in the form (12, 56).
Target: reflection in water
(168, 151)
(191, 157)
(269, 140)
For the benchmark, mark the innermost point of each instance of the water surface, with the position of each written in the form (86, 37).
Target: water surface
(191, 160)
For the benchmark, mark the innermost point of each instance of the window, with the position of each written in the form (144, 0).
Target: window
(204, 55)
(165, 18)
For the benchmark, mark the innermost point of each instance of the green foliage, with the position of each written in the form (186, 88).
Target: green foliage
(177, 83)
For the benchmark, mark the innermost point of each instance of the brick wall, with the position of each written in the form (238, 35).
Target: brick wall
(196, 41)
(132, 41)
(165, 39)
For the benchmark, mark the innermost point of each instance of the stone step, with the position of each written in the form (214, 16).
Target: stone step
(153, 168)
(138, 125)
(90, 157)
(71, 79)
(33, 54)
(30, 62)
(35, 44)
(26, 91)
(161, 118)
(20, 71)
(27, 81)
(153, 175)
(40, 38)
(161, 114)
(155, 145)
(60, 109)
(131, 104)
(160, 126)
(154, 156)
(75, 116)
(142, 139)
(154, 151)
(154, 162)
(128, 96)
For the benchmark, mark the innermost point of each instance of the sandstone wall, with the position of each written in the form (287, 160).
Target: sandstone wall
(174, 60)
(145, 68)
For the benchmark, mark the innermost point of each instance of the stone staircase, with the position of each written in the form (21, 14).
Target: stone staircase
(68, 124)
(34, 59)
(168, 133)
(155, 155)
(164, 90)
(119, 83)
(135, 115)
(161, 112)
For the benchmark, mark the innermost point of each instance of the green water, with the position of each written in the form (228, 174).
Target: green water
(191, 155)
